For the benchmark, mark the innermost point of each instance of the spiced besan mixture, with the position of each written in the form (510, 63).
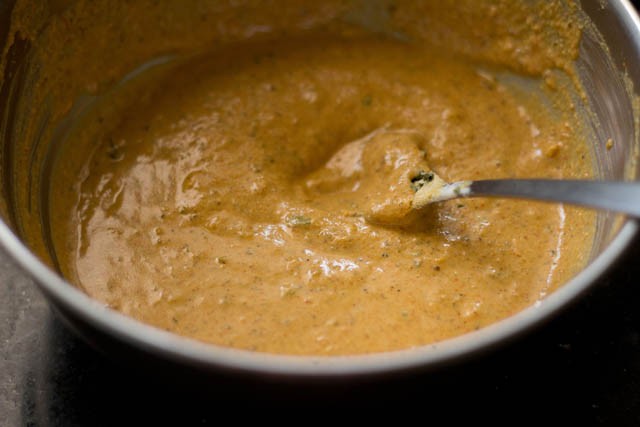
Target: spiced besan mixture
(254, 191)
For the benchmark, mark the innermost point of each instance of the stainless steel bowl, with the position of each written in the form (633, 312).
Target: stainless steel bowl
(608, 68)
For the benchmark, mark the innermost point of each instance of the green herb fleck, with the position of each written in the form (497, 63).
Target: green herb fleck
(288, 290)
(114, 152)
(367, 100)
(299, 221)
(420, 179)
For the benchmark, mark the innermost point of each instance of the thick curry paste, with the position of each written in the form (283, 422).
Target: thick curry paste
(259, 195)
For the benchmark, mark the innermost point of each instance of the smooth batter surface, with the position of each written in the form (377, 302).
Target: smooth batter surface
(260, 198)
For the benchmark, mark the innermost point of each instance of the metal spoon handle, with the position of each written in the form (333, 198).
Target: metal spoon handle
(616, 196)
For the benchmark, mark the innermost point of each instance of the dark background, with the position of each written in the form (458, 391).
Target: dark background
(582, 367)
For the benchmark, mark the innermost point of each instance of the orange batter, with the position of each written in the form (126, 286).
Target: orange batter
(259, 197)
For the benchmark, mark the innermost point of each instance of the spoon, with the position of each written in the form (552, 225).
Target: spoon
(623, 197)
